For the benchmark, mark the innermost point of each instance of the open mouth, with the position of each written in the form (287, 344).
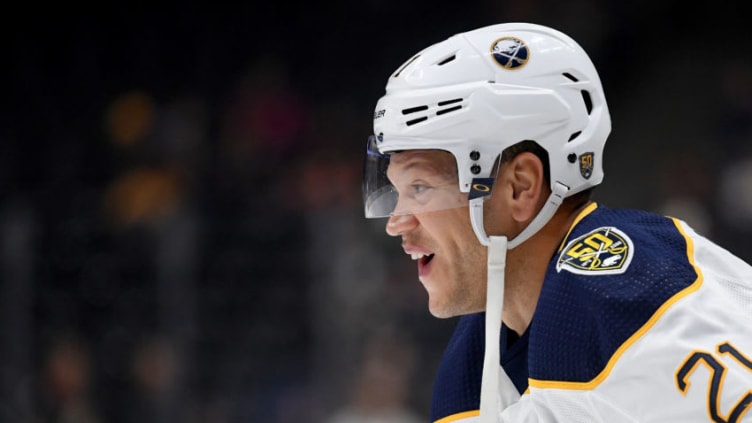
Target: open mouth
(424, 263)
(422, 258)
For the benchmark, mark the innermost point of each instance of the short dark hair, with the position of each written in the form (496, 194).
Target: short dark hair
(529, 146)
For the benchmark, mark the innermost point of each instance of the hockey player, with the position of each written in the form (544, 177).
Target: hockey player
(486, 148)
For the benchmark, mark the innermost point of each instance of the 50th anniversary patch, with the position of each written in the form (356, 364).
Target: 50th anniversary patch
(603, 251)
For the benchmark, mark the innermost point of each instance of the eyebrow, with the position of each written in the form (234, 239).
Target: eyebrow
(438, 169)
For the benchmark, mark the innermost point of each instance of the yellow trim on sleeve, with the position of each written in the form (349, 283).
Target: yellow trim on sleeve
(535, 383)
(458, 416)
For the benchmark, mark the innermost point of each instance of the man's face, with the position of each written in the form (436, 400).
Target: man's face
(433, 220)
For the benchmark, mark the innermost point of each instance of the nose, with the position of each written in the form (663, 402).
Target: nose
(398, 225)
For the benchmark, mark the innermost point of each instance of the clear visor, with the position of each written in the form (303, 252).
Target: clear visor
(409, 182)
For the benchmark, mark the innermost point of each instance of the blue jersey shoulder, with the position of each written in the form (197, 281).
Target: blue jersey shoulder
(456, 387)
(616, 268)
(458, 379)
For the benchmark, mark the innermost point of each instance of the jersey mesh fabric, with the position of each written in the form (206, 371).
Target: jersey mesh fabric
(740, 294)
(582, 319)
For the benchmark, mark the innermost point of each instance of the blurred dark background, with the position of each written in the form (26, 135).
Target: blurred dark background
(181, 233)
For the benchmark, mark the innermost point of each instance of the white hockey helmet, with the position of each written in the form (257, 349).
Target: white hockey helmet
(481, 91)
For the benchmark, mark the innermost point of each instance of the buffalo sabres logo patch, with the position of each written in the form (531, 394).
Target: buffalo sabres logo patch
(510, 52)
(604, 251)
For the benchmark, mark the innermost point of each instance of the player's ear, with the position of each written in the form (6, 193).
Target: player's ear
(527, 180)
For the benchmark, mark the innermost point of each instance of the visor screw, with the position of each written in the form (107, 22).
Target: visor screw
(475, 169)
(572, 157)
(474, 155)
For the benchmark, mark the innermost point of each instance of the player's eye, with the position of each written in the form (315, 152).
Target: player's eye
(420, 189)
(421, 193)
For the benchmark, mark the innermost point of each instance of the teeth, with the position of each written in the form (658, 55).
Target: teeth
(415, 256)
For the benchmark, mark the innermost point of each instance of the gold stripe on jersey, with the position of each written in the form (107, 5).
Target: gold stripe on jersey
(458, 416)
(591, 384)
(586, 211)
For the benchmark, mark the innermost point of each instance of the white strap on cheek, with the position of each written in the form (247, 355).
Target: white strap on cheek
(544, 215)
(490, 400)
(552, 204)
(476, 219)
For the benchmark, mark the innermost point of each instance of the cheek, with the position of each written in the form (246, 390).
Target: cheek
(471, 263)
(497, 215)
(466, 279)
(450, 230)
(462, 251)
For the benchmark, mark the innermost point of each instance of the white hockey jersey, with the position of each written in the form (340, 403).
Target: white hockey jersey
(640, 319)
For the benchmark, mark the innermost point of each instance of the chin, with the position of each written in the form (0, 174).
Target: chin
(447, 299)
(442, 311)
(440, 314)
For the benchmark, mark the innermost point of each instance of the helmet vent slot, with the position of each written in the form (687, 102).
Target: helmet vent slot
(414, 109)
(446, 102)
(447, 60)
(451, 109)
(588, 101)
(417, 120)
(574, 135)
(399, 71)
(570, 77)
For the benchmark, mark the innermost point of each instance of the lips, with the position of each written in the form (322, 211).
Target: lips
(424, 265)
(422, 255)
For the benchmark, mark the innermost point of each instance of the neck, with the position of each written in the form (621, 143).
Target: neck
(526, 269)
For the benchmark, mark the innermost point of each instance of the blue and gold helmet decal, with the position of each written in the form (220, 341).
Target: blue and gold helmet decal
(586, 165)
(510, 52)
(605, 250)
(481, 187)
